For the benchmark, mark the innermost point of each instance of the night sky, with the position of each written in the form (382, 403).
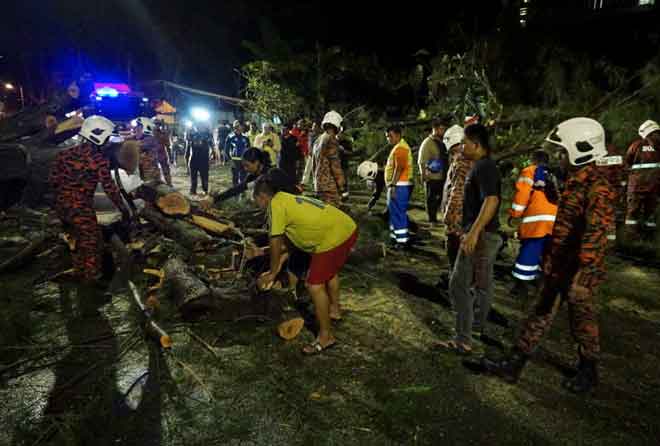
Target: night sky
(199, 42)
(204, 37)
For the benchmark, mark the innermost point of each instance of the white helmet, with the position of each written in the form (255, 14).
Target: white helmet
(453, 135)
(367, 170)
(147, 124)
(583, 138)
(647, 128)
(96, 129)
(332, 117)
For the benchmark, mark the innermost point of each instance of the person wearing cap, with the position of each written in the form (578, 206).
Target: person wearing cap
(235, 147)
(74, 176)
(643, 160)
(432, 164)
(328, 176)
(269, 142)
(574, 261)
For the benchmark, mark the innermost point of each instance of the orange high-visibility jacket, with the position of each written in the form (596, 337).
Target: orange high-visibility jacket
(537, 213)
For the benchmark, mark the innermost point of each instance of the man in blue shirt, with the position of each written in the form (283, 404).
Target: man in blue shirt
(235, 146)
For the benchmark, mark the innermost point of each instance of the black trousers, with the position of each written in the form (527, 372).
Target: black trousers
(380, 187)
(200, 167)
(433, 191)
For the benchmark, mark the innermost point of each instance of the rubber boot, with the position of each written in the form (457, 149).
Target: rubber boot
(509, 368)
(585, 379)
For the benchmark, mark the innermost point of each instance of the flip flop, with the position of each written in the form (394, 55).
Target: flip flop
(317, 348)
(452, 347)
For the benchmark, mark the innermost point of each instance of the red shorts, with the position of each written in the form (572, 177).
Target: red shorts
(325, 265)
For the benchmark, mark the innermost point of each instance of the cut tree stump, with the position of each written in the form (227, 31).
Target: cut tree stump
(169, 201)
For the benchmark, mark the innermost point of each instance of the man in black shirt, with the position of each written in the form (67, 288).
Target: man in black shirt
(201, 142)
(480, 242)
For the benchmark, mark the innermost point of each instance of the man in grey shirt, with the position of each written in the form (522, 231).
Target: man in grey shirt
(432, 164)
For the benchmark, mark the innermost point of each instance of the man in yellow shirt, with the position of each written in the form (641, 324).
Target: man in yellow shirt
(319, 229)
(398, 177)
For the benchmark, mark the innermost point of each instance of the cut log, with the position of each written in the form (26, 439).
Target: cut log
(290, 329)
(189, 292)
(188, 235)
(169, 201)
(24, 255)
(211, 225)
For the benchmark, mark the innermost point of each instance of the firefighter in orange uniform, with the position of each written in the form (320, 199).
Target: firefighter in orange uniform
(535, 202)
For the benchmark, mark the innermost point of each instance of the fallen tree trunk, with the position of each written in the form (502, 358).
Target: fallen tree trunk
(24, 255)
(189, 292)
(188, 235)
(192, 297)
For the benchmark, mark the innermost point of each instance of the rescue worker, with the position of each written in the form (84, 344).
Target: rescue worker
(535, 202)
(256, 163)
(74, 176)
(643, 159)
(201, 142)
(452, 201)
(432, 164)
(328, 176)
(398, 178)
(574, 262)
(152, 153)
(269, 142)
(235, 146)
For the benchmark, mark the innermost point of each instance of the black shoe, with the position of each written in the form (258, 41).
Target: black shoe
(520, 290)
(509, 368)
(586, 378)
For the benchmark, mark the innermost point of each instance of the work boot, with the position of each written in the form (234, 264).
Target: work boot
(586, 378)
(509, 368)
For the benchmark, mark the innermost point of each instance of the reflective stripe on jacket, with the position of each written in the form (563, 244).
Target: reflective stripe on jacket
(537, 213)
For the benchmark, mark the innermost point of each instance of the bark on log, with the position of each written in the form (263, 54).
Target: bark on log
(181, 231)
(210, 225)
(189, 292)
(24, 255)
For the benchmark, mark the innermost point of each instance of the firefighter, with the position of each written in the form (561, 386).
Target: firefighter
(74, 176)
(643, 160)
(574, 261)
(535, 202)
(152, 153)
(452, 201)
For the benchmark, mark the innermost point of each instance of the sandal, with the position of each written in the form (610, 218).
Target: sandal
(453, 347)
(316, 348)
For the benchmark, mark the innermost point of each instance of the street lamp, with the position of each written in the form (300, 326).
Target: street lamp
(10, 86)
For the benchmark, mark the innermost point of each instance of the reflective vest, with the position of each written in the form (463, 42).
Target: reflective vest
(400, 157)
(530, 204)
